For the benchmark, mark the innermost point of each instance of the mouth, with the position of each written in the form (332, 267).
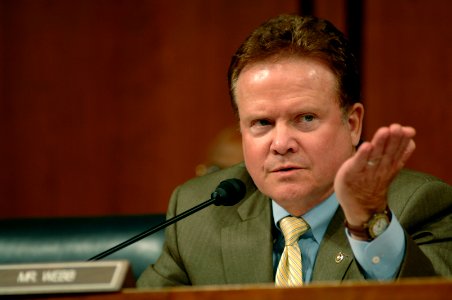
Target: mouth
(285, 169)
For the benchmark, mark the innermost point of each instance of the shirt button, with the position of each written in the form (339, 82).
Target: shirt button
(376, 260)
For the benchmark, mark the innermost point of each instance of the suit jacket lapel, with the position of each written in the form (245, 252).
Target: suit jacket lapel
(335, 255)
(247, 244)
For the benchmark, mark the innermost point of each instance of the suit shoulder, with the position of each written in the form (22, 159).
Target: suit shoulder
(407, 174)
(419, 190)
(410, 180)
(200, 188)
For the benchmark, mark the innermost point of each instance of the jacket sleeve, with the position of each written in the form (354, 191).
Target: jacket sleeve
(427, 220)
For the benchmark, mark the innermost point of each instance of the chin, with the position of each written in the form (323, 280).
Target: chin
(287, 192)
(294, 198)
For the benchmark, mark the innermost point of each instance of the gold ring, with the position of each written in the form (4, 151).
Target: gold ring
(372, 163)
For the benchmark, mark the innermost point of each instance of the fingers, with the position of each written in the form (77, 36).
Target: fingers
(363, 156)
(392, 146)
(379, 142)
(382, 157)
(408, 151)
(405, 147)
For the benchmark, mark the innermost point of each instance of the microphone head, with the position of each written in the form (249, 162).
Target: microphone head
(229, 192)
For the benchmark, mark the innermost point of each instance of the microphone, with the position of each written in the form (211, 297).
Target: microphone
(229, 192)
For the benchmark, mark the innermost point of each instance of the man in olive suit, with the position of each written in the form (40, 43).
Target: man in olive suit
(295, 88)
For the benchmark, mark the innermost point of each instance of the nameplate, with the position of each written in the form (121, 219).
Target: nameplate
(68, 277)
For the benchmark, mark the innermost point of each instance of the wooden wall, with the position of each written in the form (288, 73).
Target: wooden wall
(407, 71)
(106, 106)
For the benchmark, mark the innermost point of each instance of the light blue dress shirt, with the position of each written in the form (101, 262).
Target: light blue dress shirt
(376, 259)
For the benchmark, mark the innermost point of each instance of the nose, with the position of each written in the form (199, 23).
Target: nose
(283, 140)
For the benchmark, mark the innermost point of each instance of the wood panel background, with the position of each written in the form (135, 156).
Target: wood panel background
(106, 106)
(407, 72)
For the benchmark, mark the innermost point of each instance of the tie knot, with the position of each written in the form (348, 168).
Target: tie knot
(292, 228)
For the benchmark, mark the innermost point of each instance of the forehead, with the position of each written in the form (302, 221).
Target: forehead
(285, 57)
(286, 86)
(285, 74)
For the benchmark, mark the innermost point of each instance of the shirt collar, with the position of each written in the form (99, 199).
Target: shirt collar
(318, 217)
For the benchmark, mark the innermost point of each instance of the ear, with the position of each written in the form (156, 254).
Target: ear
(355, 122)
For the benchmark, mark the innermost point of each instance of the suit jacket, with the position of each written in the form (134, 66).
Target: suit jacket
(233, 244)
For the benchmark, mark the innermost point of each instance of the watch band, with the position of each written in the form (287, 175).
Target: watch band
(359, 231)
(362, 231)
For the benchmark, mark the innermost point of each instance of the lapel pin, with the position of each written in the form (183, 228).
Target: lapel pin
(339, 257)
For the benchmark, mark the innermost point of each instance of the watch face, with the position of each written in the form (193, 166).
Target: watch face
(378, 225)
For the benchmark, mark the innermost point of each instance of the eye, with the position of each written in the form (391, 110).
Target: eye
(307, 118)
(260, 126)
(262, 122)
(307, 122)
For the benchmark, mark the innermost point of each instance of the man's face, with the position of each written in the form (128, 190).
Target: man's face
(295, 136)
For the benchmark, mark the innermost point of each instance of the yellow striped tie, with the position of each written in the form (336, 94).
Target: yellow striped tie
(289, 268)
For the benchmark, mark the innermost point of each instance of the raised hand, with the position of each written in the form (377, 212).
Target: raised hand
(362, 182)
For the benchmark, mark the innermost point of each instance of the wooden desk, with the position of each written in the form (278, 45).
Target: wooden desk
(415, 289)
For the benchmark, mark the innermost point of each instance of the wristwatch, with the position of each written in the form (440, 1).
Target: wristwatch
(374, 227)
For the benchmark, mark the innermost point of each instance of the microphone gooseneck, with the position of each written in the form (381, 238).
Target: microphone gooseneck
(229, 192)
